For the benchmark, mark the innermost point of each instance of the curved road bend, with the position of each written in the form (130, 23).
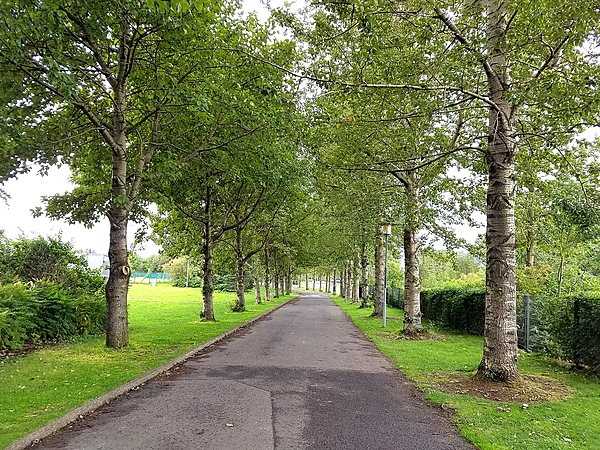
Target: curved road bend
(303, 378)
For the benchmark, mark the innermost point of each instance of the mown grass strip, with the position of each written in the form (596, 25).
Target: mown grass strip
(571, 423)
(164, 323)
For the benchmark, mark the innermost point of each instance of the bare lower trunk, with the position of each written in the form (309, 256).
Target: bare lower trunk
(355, 286)
(240, 304)
(500, 352)
(276, 284)
(348, 294)
(560, 277)
(208, 312)
(412, 283)
(117, 324)
(378, 297)
(288, 282)
(267, 277)
(364, 276)
(306, 282)
(257, 295)
(314, 280)
(117, 334)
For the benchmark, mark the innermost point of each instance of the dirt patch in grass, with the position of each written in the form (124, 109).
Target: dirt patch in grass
(422, 336)
(533, 389)
(26, 349)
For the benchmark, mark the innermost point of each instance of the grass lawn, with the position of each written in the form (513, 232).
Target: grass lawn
(571, 423)
(163, 323)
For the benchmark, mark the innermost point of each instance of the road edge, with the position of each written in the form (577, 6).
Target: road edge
(90, 406)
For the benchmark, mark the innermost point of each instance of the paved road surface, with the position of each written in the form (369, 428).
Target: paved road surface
(303, 378)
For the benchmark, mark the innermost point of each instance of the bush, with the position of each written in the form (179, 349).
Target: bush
(46, 312)
(193, 282)
(225, 283)
(459, 308)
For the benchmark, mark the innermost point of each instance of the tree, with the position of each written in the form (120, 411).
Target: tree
(106, 73)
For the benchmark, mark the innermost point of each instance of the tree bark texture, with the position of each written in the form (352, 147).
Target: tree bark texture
(257, 294)
(355, 285)
(378, 297)
(500, 351)
(240, 304)
(267, 277)
(364, 276)
(208, 312)
(412, 282)
(117, 325)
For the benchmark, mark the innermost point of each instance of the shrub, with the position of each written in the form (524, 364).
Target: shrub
(458, 308)
(193, 282)
(46, 312)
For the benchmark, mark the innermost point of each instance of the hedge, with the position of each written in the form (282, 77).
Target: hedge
(461, 309)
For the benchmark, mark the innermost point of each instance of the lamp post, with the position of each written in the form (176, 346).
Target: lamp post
(387, 231)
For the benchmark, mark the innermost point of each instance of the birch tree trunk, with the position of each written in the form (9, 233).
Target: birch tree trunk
(412, 283)
(267, 277)
(500, 351)
(257, 294)
(364, 276)
(378, 297)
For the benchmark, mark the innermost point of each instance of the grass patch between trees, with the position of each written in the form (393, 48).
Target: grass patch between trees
(569, 423)
(163, 323)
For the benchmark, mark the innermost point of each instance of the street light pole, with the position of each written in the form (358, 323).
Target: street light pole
(387, 231)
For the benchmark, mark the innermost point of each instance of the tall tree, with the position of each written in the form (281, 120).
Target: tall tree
(99, 77)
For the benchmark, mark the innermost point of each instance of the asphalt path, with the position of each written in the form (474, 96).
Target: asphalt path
(302, 378)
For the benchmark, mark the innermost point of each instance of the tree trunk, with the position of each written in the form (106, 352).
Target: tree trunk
(208, 312)
(500, 351)
(346, 283)
(276, 284)
(364, 276)
(240, 304)
(267, 277)
(314, 279)
(257, 294)
(561, 269)
(355, 285)
(412, 283)
(117, 326)
(288, 287)
(342, 282)
(378, 297)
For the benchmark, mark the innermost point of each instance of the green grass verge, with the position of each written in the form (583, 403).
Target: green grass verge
(163, 323)
(571, 423)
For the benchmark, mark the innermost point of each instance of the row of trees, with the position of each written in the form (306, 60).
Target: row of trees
(416, 113)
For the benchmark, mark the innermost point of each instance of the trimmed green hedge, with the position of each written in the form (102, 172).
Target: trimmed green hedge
(461, 309)
(46, 312)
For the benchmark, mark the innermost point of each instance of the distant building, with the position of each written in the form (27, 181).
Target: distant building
(98, 261)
